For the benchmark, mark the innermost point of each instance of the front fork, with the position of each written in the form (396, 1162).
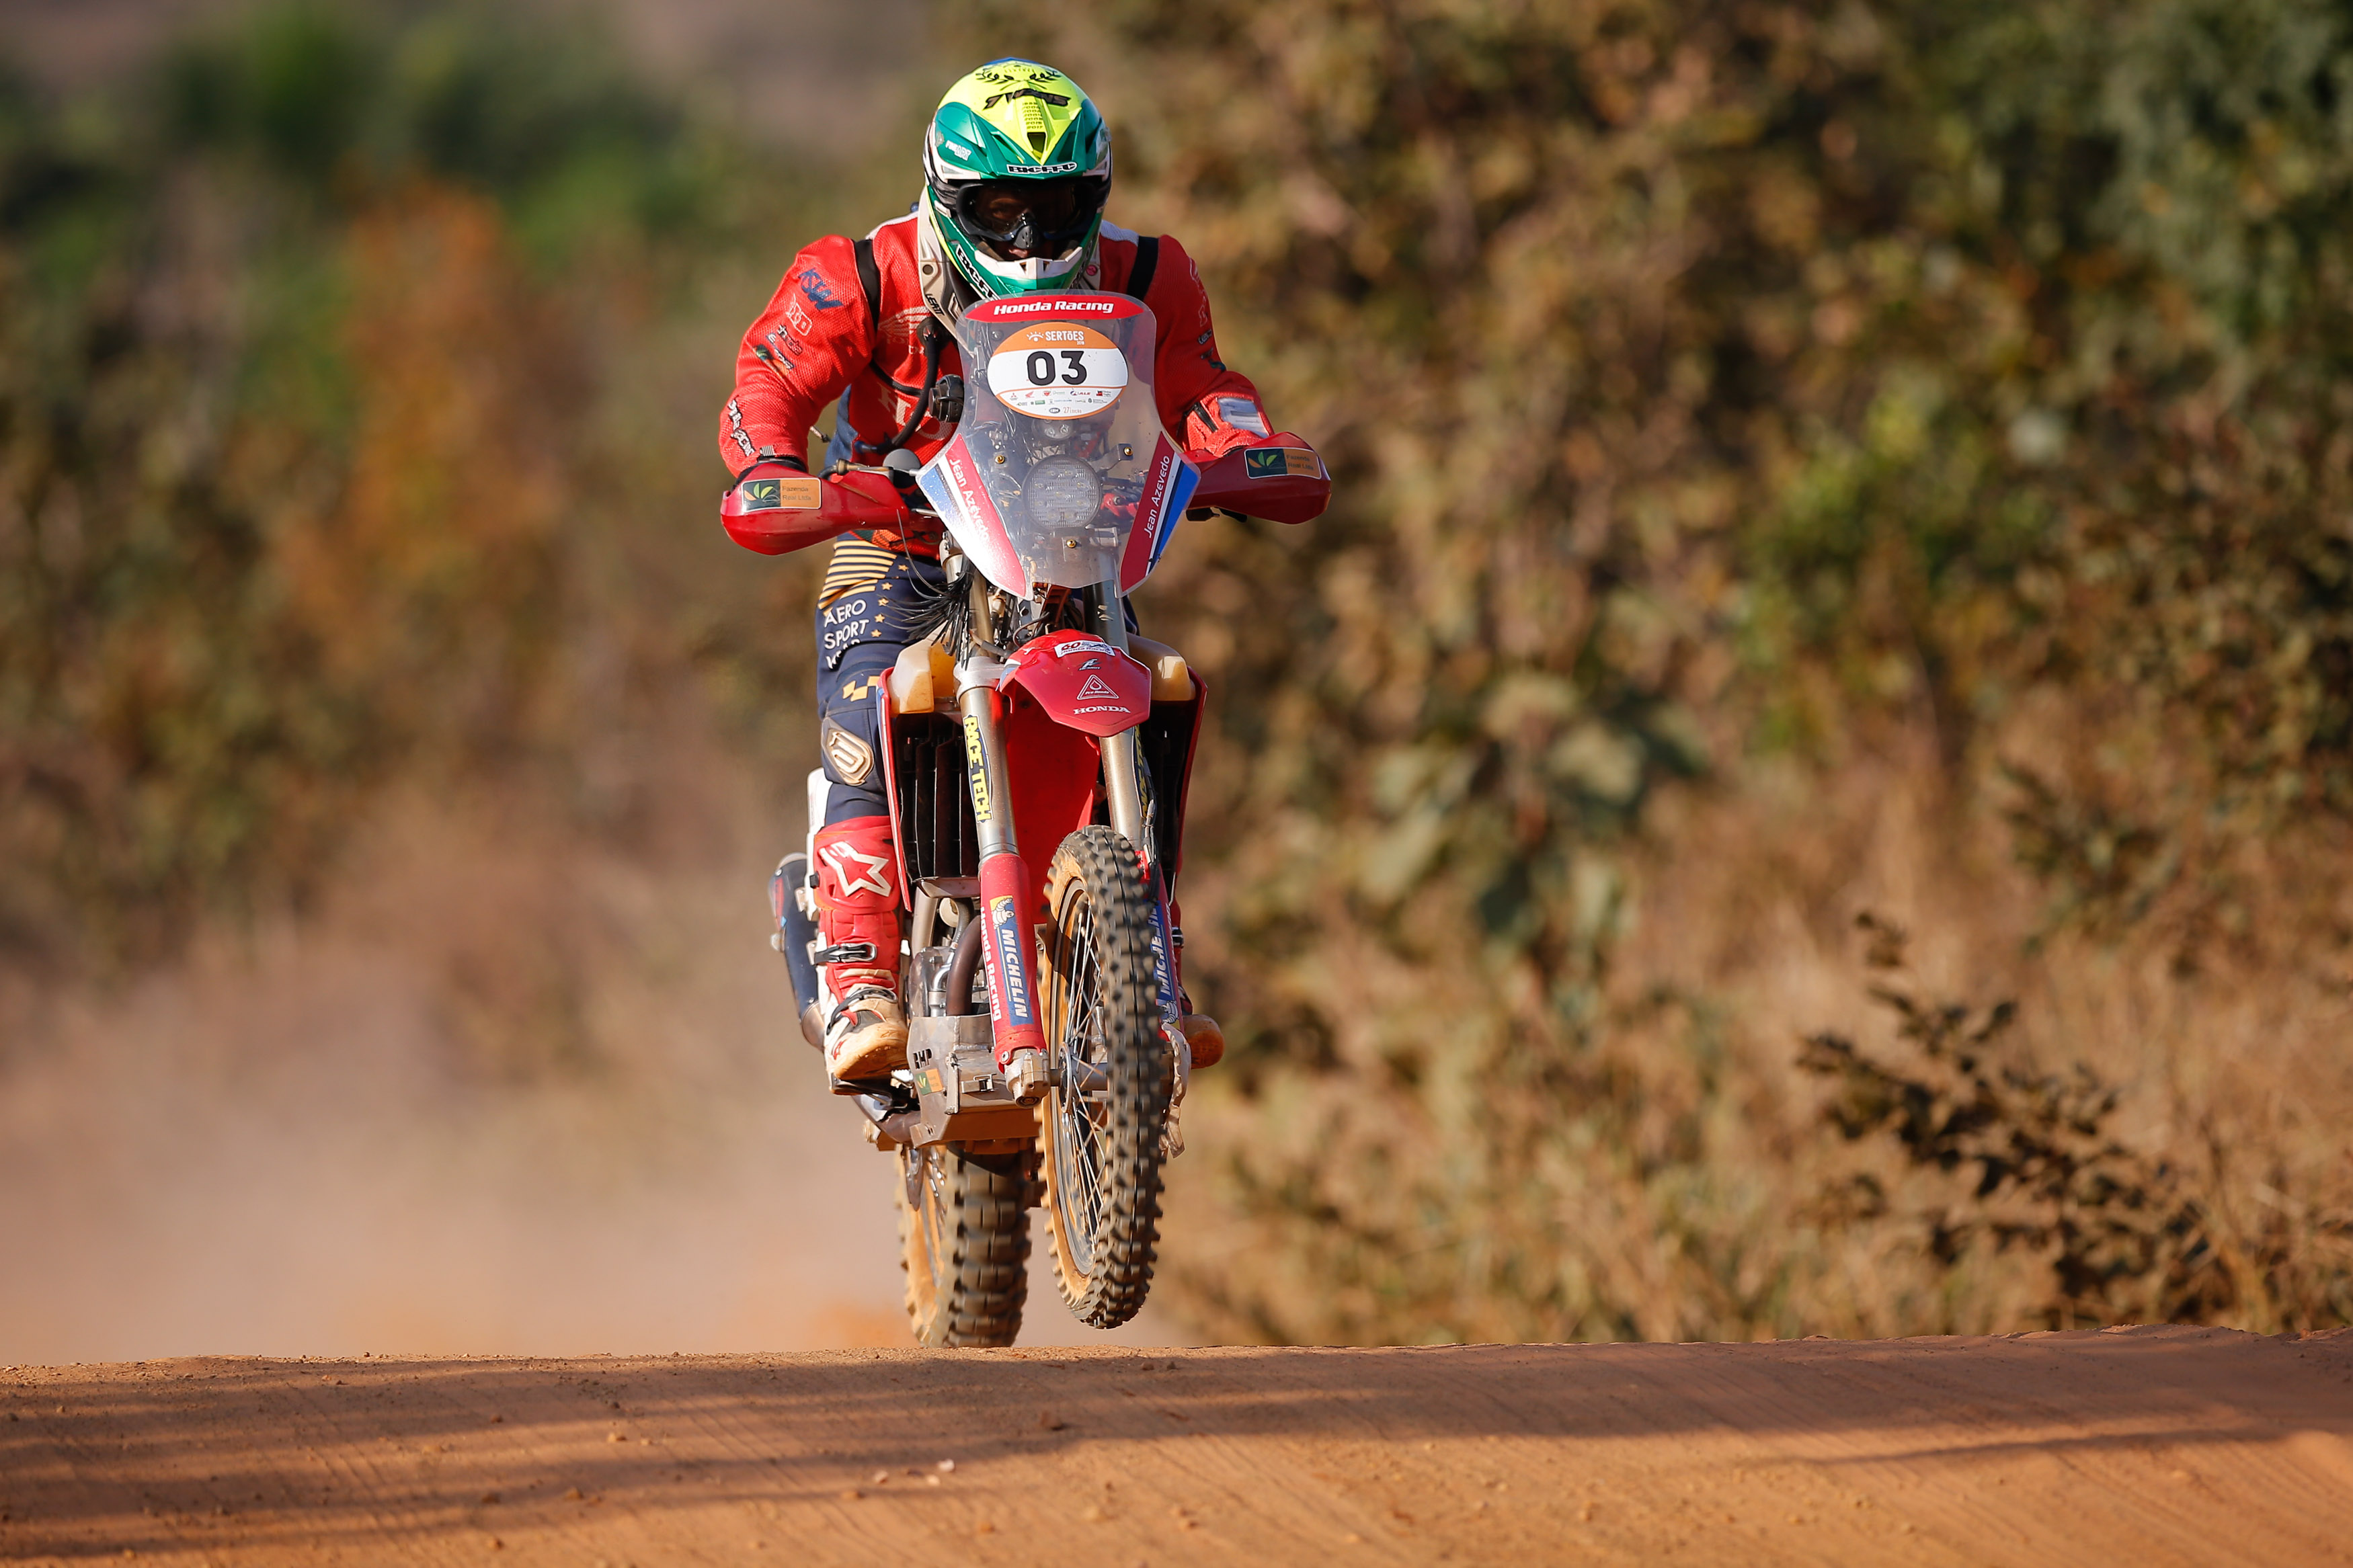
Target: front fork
(1005, 877)
(1123, 793)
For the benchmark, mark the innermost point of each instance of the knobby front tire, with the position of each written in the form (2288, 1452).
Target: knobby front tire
(964, 1237)
(1100, 1136)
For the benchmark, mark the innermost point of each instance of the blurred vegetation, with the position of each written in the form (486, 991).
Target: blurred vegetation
(2033, 1167)
(1741, 410)
(333, 451)
(1727, 391)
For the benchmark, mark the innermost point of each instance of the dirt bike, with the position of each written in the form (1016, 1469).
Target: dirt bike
(1047, 1057)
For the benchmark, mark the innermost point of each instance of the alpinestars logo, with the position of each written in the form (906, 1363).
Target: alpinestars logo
(1097, 686)
(858, 873)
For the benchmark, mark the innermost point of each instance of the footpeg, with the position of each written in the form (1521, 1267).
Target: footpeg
(1028, 1076)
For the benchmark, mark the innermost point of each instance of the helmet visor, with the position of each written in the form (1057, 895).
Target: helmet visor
(1034, 216)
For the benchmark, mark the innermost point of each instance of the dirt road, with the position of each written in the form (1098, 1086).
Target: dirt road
(2144, 1447)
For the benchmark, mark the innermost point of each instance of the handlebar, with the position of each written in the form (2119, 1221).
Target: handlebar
(1281, 480)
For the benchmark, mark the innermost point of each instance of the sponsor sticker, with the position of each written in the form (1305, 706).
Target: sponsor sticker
(976, 765)
(1096, 686)
(1040, 168)
(1005, 932)
(793, 494)
(1166, 484)
(1059, 100)
(1163, 980)
(820, 293)
(970, 493)
(798, 320)
(1001, 308)
(1064, 650)
(1280, 462)
(1058, 369)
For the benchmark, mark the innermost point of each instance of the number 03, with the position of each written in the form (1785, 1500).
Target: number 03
(1041, 366)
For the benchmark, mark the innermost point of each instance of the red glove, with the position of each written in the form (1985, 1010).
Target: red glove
(776, 509)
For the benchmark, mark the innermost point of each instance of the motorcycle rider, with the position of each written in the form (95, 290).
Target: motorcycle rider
(1016, 169)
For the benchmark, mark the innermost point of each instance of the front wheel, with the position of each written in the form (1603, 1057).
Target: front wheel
(964, 1240)
(1101, 1133)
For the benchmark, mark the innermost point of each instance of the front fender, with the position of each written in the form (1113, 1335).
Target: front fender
(1084, 683)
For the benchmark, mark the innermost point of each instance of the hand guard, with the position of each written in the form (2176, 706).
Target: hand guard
(1278, 478)
(776, 509)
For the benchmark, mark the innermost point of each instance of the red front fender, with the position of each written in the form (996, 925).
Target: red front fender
(1085, 683)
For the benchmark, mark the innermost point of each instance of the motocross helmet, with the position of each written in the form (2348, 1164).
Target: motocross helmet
(1016, 166)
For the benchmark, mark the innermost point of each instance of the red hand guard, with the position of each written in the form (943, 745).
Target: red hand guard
(1280, 479)
(774, 508)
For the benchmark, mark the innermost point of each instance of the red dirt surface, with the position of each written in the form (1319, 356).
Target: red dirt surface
(2142, 1445)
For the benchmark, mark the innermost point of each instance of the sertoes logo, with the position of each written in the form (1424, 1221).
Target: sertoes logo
(763, 495)
(820, 293)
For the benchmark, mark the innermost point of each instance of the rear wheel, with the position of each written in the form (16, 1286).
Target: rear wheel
(1100, 1137)
(965, 1240)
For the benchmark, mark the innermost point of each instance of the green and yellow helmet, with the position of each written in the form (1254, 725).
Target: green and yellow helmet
(1016, 166)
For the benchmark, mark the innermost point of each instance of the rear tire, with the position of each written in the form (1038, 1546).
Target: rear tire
(1100, 1136)
(965, 1244)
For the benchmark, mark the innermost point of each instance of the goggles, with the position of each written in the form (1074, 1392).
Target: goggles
(1040, 217)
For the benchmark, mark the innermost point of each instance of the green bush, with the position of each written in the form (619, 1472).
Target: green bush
(1714, 389)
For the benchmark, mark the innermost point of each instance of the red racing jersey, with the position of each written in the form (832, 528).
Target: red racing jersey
(821, 337)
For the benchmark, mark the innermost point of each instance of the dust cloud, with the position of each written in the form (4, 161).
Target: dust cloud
(494, 1097)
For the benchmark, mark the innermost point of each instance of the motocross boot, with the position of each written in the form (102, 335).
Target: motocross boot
(857, 926)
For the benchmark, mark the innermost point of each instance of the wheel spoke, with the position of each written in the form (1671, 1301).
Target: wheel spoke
(934, 1216)
(1080, 1118)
